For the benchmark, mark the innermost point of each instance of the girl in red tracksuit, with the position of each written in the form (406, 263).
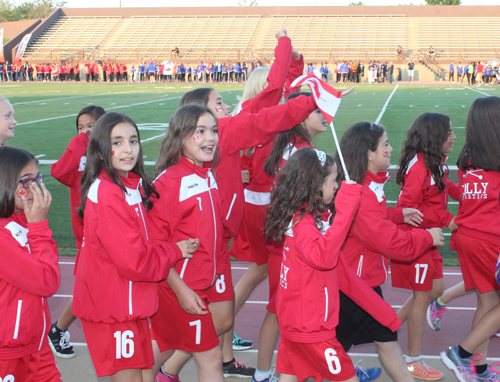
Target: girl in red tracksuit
(373, 238)
(117, 275)
(68, 170)
(423, 179)
(189, 205)
(29, 272)
(237, 133)
(308, 291)
(478, 235)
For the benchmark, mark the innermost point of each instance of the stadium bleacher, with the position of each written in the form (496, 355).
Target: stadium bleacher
(248, 37)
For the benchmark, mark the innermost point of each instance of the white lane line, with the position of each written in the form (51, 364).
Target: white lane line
(72, 263)
(39, 156)
(477, 91)
(395, 201)
(395, 166)
(385, 106)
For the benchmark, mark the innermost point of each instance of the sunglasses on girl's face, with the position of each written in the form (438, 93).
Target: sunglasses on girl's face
(26, 182)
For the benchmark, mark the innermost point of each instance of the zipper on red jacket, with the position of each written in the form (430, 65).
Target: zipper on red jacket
(44, 323)
(215, 225)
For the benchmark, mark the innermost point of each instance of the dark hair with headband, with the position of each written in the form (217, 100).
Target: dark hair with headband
(298, 189)
(355, 144)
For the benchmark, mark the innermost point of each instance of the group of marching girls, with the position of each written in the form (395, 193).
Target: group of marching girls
(153, 284)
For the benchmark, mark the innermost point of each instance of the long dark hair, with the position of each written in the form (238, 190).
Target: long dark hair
(99, 159)
(355, 144)
(289, 137)
(199, 95)
(13, 161)
(182, 126)
(94, 111)
(426, 135)
(482, 136)
(298, 188)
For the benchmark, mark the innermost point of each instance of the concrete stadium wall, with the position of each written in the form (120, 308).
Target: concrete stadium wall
(13, 28)
(9, 49)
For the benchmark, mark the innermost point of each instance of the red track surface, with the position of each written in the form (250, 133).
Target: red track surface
(455, 325)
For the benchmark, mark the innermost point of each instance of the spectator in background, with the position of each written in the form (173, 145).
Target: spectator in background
(400, 53)
(451, 76)
(479, 71)
(175, 52)
(360, 72)
(432, 53)
(460, 72)
(411, 68)
(390, 72)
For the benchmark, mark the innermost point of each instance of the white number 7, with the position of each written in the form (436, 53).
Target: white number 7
(417, 273)
(197, 323)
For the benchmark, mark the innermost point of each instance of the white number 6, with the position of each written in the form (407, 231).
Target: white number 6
(332, 361)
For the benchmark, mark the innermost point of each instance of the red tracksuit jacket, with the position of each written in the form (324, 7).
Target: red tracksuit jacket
(312, 271)
(479, 206)
(374, 237)
(68, 170)
(118, 271)
(28, 275)
(420, 192)
(190, 206)
(247, 130)
(283, 72)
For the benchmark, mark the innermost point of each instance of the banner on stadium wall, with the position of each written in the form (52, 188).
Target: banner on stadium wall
(22, 47)
(168, 68)
(2, 58)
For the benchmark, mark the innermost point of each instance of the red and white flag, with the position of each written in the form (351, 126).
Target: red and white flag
(328, 101)
(326, 97)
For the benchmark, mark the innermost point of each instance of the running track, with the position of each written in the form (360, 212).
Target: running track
(455, 325)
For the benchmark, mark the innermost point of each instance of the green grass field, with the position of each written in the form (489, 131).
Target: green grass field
(46, 122)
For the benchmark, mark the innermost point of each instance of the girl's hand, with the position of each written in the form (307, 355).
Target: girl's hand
(453, 226)
(281, 33)
(437, 236)
(249, 152)
(350, 182)
(245, 175)
(295, 54)
(188, 247)
(346, 92)
(41, 203)
(413, 216)
(190, 302)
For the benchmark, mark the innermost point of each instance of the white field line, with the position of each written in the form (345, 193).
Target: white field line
(150, 139)
(39, 156)
(56, 99)
(477, 91)
(385, 105)
(109, 108)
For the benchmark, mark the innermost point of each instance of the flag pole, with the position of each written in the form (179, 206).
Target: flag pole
(346, 174)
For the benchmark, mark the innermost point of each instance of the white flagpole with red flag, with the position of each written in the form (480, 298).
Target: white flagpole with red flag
(328, 101)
